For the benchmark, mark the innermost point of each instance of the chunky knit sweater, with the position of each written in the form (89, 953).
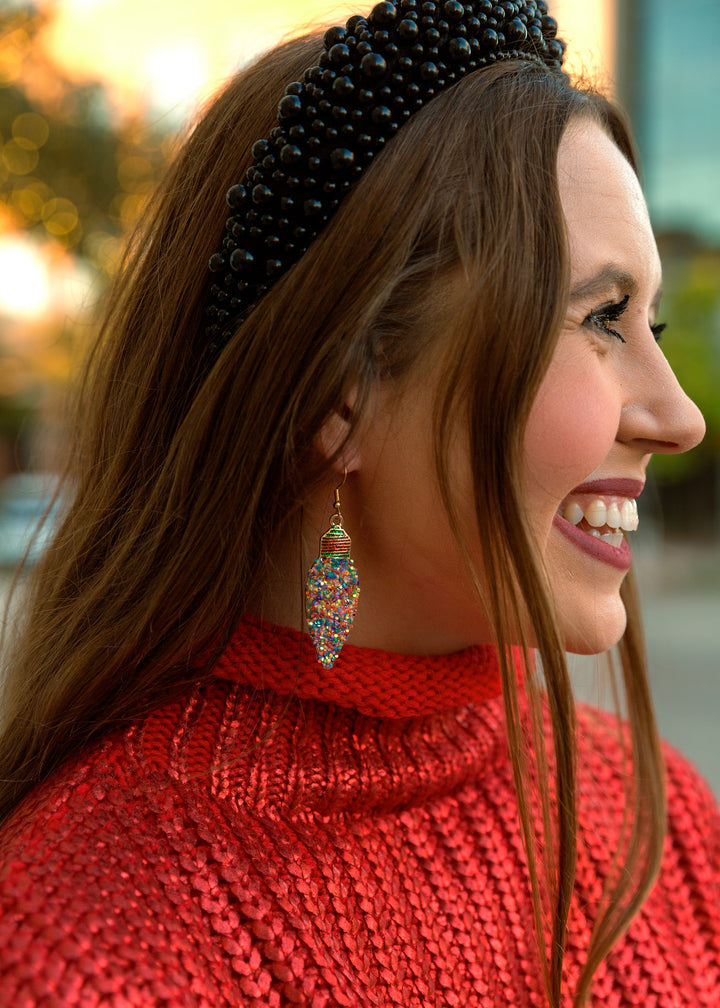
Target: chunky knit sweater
(250, 844)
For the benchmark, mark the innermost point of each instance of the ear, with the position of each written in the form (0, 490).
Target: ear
(332, 440)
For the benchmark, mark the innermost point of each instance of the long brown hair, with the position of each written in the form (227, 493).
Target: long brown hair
(181, 478)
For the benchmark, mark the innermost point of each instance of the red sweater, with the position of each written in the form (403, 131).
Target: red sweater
(251, 845)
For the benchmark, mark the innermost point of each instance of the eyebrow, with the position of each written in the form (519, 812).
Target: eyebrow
(609, 276)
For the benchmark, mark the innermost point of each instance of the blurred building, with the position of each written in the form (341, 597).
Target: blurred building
(669, 80)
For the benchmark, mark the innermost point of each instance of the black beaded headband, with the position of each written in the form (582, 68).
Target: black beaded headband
(374, 74)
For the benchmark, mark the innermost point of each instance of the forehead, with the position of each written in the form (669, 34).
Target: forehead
(605, 211)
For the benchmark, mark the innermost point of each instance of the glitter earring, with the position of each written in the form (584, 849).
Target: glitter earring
(332, 589)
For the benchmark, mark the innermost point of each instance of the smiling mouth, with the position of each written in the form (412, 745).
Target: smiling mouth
(598, 524)
(607, 519)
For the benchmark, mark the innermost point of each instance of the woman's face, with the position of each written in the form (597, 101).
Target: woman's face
(608, 401)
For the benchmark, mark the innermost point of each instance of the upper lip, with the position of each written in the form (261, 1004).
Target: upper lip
(619, 486)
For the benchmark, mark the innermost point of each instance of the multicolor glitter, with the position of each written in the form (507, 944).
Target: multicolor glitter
(331, 594)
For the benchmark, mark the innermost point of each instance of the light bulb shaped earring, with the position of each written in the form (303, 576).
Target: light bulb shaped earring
(332, 590)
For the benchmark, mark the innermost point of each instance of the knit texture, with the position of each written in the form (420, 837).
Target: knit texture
(247, 847)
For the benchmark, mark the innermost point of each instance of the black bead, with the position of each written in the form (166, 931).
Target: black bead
(383, 14)
(339, 54)
(313, 163)
(556, 49)
(269, 162)
(331, 134)
(272, 242)
(313, 143)
(366, 96)
(334, 35)
(342, 158)
(343, 87)
(429, 72)
(273, 267)
(490, 39)
(259, 149)
(261, 194)
(255, 233)
(516, 30)
(364, 49)
(391, 51)
(290, 107)
(339, 113)
(237, 230)
(217, 263)
(312, 207)
(236, 196)
(356, 23)
(453, 10)
(429, 8)
(432, 36)
(381, 115)
(287, 203)
(535, 35)
(241, 260)
(290, 154)
(459, 49)
(408, 30)
(381, 38)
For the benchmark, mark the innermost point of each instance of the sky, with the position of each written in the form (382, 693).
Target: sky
(171, 56)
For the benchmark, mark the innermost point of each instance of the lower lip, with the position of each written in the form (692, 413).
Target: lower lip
(616, 556)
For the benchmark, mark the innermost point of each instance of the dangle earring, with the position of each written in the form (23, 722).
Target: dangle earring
(332, 589)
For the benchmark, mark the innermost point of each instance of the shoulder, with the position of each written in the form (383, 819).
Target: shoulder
(111, 877)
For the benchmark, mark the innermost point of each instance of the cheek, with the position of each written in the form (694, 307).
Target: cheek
(571, 428)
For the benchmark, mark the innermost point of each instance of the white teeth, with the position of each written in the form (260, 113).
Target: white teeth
(613, 516)
(618, 515)
(596, 514)
(573, 513)
(629, 516)
(613, 538)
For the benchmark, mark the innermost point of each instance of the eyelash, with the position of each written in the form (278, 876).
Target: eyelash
(600, 317)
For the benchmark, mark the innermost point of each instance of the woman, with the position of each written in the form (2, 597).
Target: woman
(429, 327)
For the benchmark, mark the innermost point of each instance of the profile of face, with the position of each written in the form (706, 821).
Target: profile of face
(608, 401)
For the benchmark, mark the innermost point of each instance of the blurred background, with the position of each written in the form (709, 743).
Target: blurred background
(93, 96)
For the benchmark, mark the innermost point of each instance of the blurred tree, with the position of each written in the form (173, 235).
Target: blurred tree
(74, 175)
(72, 170)
(691, 307)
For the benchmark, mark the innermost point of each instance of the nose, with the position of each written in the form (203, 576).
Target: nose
(658, 415)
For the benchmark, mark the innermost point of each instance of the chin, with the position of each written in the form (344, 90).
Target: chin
(597, 636)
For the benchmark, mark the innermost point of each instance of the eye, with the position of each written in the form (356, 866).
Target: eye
(658, 330)
(602, 317)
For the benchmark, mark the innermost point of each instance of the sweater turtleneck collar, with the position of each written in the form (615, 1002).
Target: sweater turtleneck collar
(369, 681)
(276, 734)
